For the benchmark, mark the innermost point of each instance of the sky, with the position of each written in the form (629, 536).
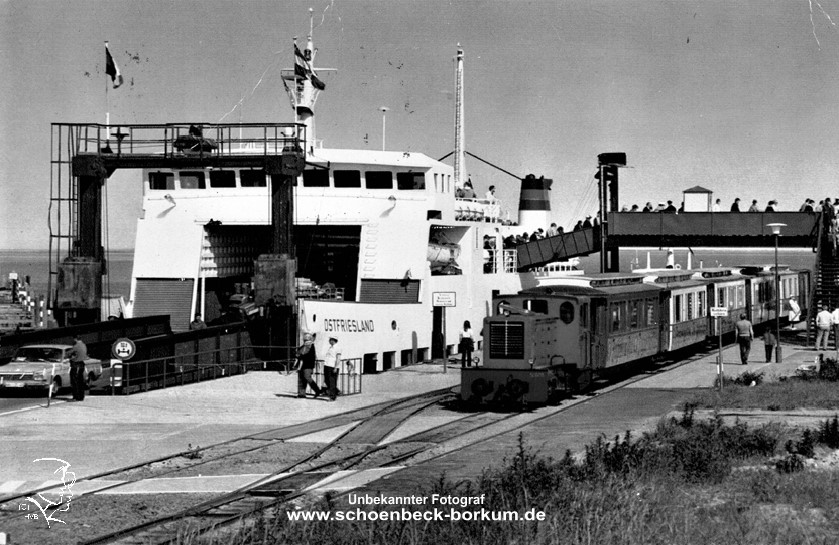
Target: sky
(741, 97)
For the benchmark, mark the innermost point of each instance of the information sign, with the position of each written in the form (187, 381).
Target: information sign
(444, 299)
(719, 312)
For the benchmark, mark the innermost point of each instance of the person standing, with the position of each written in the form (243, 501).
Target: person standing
(834, 321)
(331, 368)
(717, 206)
(745, 334)
(794, 314)
(197, 323)
(306, 361)
(824, 321)
(735, 206)
(754, 207)
(78, 355)
(769, 344)
(490, 195)
(466, 345)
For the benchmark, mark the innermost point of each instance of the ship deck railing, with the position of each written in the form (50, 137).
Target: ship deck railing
(172, 140)
(336, 294)
(477, 210)
(508, 261)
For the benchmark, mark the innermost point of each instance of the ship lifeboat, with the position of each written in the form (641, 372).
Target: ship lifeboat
(441, 254)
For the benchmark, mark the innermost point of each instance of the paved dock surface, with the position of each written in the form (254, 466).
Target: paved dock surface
(109, 432)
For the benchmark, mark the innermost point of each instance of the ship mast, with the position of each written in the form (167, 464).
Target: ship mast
(303, 84)
(459, 141)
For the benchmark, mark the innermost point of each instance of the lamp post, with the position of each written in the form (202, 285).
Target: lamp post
(776, 230)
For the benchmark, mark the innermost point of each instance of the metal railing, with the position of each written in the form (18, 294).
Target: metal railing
(509, 261)
(175, 139)
(176, 370)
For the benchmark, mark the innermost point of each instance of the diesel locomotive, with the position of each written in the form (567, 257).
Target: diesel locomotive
(558, 338)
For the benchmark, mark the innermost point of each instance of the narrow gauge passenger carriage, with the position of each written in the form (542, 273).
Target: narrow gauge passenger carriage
(552, 338)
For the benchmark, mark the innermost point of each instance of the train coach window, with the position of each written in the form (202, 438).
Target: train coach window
(584, 315)
(721, 302)
(677, 306)
(651, 304)
(690, 306)
(700, 304)
(536, 305)
(616, 317)
(566, 312)
(633, 314)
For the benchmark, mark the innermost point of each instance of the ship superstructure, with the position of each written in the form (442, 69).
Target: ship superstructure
(388, 257)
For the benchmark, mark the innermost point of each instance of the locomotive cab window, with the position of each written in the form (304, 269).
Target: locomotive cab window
(566, 312)
(536, 305)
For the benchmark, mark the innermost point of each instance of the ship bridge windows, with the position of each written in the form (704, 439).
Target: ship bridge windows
(161, 181)
(316, 177)
(193, 180)
(252, 178)
(379, 179)
(347, 178)
(222, 178)
(410, 180)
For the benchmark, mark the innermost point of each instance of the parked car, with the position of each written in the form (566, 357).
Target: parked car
(38, 365)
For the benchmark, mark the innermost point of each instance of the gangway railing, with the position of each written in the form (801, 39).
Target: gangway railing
(561, 247)
(179, 139)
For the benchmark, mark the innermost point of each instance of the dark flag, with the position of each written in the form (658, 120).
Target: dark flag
(111, 68)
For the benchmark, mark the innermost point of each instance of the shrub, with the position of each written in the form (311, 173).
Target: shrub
(829, 370)
(792, 463)
(828, 433)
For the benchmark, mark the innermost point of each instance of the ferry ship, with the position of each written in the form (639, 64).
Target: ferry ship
(389, 259)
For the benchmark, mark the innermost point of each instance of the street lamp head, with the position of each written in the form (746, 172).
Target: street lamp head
(776, 227)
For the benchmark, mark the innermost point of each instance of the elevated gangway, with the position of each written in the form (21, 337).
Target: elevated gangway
(561, 247)
(717, 229)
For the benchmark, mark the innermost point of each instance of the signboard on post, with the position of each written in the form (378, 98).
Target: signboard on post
(123, 349)
(443, 299)
(717, 313)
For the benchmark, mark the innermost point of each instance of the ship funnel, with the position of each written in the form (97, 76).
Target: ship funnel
(535, 203)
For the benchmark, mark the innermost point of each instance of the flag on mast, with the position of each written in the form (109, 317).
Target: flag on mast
(111, 68)
(303, 69)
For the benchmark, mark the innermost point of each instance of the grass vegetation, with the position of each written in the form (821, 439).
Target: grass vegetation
(691, 481)
(808, 390)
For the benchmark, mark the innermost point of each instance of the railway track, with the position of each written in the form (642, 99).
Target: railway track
(358, 447)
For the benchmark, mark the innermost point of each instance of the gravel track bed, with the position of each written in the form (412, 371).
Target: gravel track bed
(92, 516)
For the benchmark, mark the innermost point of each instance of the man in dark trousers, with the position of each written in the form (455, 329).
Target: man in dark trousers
(306, 360)
(78, 355)
(745, 334)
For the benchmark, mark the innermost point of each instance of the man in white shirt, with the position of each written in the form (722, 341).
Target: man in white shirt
(331, 368)
(835, 323)
(717, 206)
(824, 321)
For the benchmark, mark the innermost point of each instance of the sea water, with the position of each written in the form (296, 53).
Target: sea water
(35, 263)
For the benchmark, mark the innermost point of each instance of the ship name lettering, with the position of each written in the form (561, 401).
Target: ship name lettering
(348, 326)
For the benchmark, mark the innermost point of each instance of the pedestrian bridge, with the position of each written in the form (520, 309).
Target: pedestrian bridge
(688, 229)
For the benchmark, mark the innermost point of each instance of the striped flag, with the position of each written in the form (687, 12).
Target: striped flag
(111, 68)
(303, 68)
